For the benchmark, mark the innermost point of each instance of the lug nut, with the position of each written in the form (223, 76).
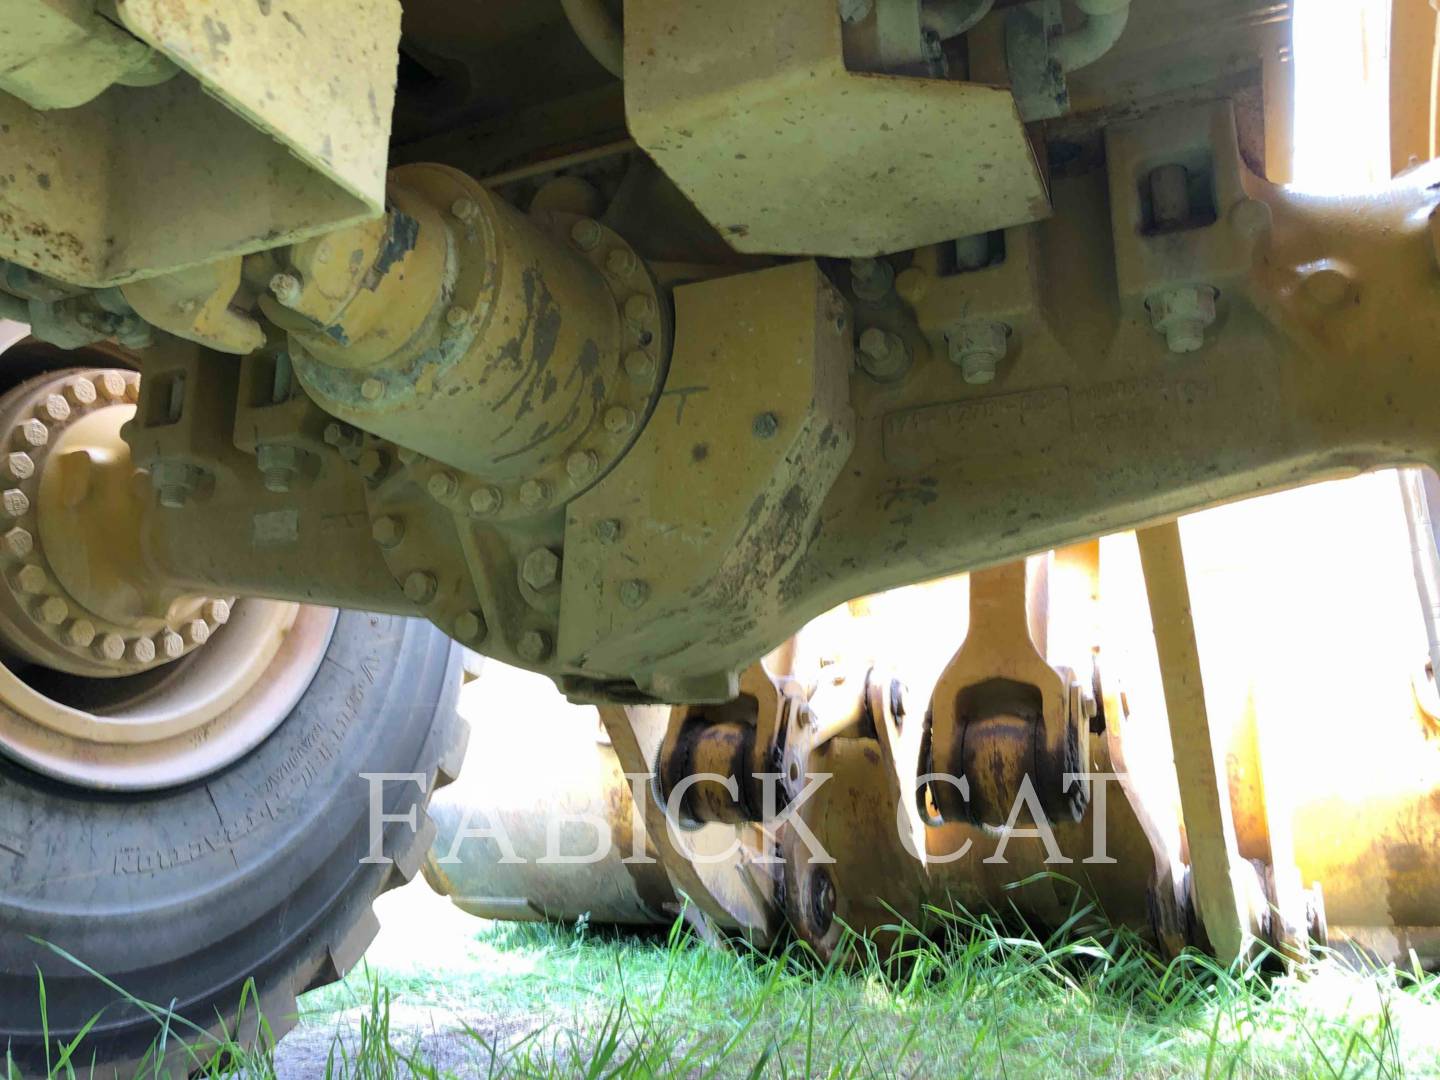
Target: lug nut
(55, 409)
(587, 234)
(419, 586)
(110, 647)
(142, 650)
(639, 366)
(21, 466)
(31, 579)
(197, 632)
(978, 348)
(388, 531)
(533, 646)
(80, 633)
(112, 386)
(54, 611)
(486, 500)
(618, 420)
(81, 392)
(442, 485)
(634, 593)
(218, 612)
(541, 569)
(640, 309)
(34, 433)
(622, 263)
(581, 464)
(464, 209)
(171, 645)
(470, 627)
(534, 494)
(15, 502)
(19, 543)
(286, 288)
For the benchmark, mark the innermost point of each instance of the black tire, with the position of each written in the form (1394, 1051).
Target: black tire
(183, 895)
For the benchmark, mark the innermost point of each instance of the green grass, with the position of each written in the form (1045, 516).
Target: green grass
(543, 1001)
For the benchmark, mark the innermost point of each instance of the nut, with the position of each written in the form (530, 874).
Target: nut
(464, 209)
(581, 464)
(218, 612)
(977, 348)
(81, 392)
(142, 650)
(607, 531)
(343, 437)
(639, 366)
(541, 569)
(174, 482)
(34, 433)
(622, 263)
(15, 502)
(883, 355)
(871, 279)
(31, 579)
(534, 494)
(419, 586)
(112, 386)
(53, 611)
(533, 646)
(587, 234)
(618, 420)
(486, 500)
(55, 409)
(372, 389)
(19, 543)
(640, 309)
(197, 632)
(470, 627)
(765, 426)
(634, 593)
(442, 485)
(286, 288)
(388, 531)
(1183, 315)
(20, 465)
(279, 466)
(171, 645)
(80, 633)
(111, 647)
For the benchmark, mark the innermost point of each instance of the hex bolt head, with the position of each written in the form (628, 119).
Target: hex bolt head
(372, 389)
(34, 433)
(581, 465)
(486, 500)
(31, 579)
(112, 386)
(341, 436)
(20, 465)
(53, 611)
(19, 543)
(470, 627)
(218, 612)
(456, 317)
(639, 366)
(618, 420)
(883, 355)
(541, 569)
(420, 586)
(587, 234)
(533, 646)
(388, 531)
(197, 632)
(15, 502)
(871, 279)
(442, 485)
(640, 309)
(464, 209)
(372, 464)
(171, 645)
(622, 263)
(54, 409)
(81, 392)
(80, 633)
(142, 650)
(534, 494)
(634, 593)
(1183, 315)
(766, 425)
(111, 647)
(607, 531)
(286, 288)
(977, 349)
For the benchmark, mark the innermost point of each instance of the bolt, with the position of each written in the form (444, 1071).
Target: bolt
(533, 646)
(20, 465)
(31, 579)
(388, 532)
(19, 543)
(534, 493)
(541, 569)
(175, 482)
(587, 234)
(15, 502)
(81, 392)
(470, 627)
(883, 355)
(111, 647)
(766, 425)
(343, 437)
(142, 650)
(639, 366)
(464, 209)
(1182, 315)
(55, 409)
(34, 433)
(913, 285)
(197, 632)
(607, 531)
(442, 485)
(640, 309)
(373, 464)
(618, 420)
(279, 466)
(112, 385)
(80, 633)
(634, 593)
(54, 611)
(419, 586)
(977, 349)
(218, 612)
(581, 464)
(871, 279)
(486, 500)
(456, 317)
(622, 263)
(172, 645)
(287, 288)
(372, 389)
